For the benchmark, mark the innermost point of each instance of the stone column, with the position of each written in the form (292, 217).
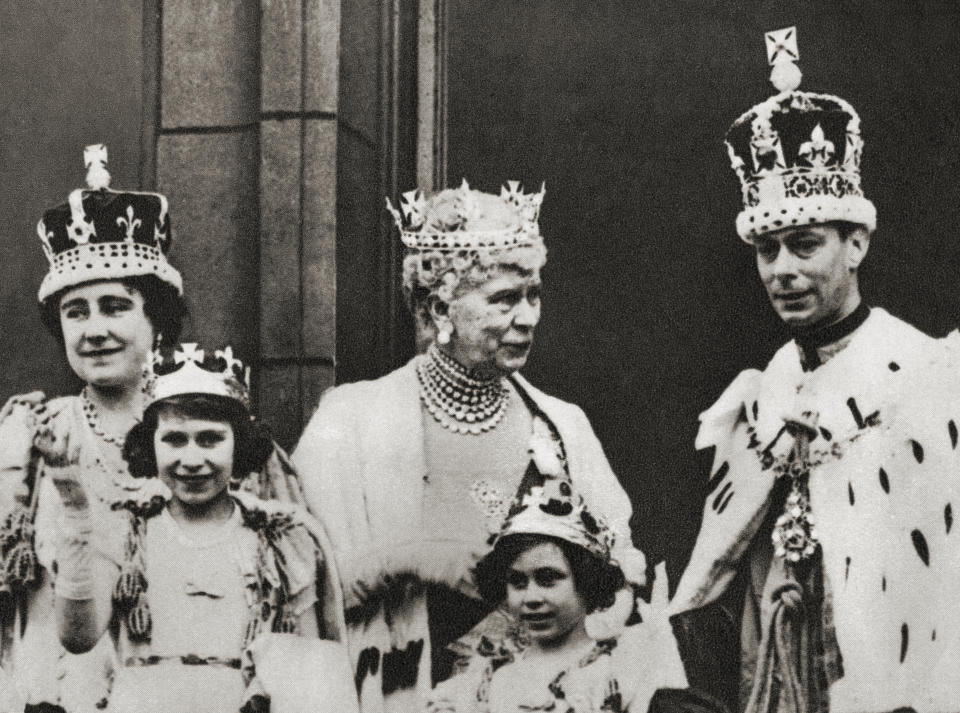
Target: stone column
(208, 162)
(299, 67)
(246, 152)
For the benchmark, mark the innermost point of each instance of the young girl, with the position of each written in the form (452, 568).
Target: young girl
(550, 568)
(203, 583)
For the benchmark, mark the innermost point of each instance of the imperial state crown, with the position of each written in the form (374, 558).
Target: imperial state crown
(797, 154)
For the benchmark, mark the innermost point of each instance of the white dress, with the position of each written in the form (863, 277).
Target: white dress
(206, 604)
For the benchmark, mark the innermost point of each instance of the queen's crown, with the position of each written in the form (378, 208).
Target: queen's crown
(465, 219)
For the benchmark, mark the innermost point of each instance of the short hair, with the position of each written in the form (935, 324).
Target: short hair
(162, 303)
(448, 274)
(251, 444)
(596, 579)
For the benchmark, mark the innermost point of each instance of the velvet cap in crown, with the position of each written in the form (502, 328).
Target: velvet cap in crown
(797, 154)
(192, 371)
(100, 234)
(466, 219)
(548, 505)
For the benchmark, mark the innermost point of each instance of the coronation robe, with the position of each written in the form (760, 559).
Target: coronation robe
(883, 480)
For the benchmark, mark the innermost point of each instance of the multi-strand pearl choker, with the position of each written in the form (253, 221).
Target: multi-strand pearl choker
(457, 400)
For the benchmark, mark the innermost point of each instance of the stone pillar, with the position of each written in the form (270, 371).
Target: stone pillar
(299, 67)
(208, 163)
(246, 152)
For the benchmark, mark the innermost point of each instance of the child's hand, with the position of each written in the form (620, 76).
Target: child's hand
(57, 451)
(34, 399)
(62, 458)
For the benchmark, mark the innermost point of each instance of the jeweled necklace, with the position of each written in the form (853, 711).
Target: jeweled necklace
(115, 482)
(92, 415)
(458, 400)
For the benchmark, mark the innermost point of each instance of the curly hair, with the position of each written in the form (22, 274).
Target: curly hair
(251, 444)
(597, 580)
(163, 305)
(449, 274)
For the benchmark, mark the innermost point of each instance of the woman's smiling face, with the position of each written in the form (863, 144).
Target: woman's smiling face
(106, 333)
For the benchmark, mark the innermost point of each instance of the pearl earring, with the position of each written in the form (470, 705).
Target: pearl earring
(443, 337)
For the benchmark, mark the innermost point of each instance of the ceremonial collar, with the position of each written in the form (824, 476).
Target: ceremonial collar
(814, 341)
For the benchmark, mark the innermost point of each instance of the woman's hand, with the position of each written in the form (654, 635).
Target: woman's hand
(62, 458)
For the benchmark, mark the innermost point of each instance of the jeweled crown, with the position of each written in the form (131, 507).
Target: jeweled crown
(797, 154)
(101, 234)
(547, 504)
(192, 370)
(466, 219)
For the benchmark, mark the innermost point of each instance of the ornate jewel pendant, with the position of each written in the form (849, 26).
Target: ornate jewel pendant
(794, 535)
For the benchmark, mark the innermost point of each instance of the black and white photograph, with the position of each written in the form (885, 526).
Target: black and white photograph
(479, 356)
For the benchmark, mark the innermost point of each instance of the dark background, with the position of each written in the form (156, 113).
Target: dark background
(651, 302)
(71, 74)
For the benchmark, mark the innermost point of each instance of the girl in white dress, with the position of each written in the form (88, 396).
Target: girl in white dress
(202, 577)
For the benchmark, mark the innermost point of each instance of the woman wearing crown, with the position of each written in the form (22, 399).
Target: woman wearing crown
(413, 473)
(109, 297)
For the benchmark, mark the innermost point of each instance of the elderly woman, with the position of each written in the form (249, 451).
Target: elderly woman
(109, 297)
(413, 472)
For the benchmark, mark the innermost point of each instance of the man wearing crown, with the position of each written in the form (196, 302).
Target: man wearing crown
(828, 528)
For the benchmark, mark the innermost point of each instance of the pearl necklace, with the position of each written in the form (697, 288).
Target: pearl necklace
(457, 400)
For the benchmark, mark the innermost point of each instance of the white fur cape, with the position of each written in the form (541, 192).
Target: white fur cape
(885, 489)
(362, 466)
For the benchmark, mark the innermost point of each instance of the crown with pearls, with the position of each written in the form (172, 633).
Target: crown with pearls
(192, 370)
(797, 154)
(100, 234)
(466, 219)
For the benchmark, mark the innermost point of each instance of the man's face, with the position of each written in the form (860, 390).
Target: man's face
(810, 272)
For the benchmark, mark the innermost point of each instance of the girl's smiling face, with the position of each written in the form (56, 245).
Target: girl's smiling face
(194, 458)
(542, 594)
(106, 332)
